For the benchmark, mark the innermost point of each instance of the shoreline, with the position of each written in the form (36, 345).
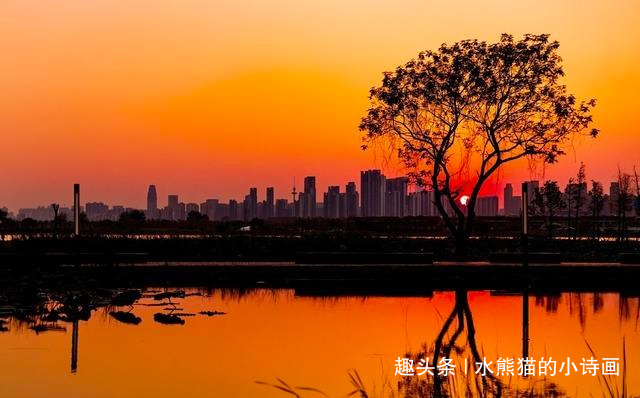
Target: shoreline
(345, 277)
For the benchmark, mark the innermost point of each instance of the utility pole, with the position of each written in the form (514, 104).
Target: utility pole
(294, 193)
(76, 209)
(525, 224)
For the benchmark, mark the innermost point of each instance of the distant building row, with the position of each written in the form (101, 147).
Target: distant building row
(378, 197)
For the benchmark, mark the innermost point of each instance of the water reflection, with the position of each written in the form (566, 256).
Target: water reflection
(74, 347)
(43, 310)
(466, 354)
(306, 341)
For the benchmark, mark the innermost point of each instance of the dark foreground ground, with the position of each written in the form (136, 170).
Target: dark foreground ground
(345, 279)
(328, 263)
(119, 248)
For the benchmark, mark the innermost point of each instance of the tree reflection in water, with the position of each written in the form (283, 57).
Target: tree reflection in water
(450, 343)
(44, 310)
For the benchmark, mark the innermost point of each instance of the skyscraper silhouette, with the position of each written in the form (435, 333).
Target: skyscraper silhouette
(532, 186)
(174, 207)
(421, 203)
(512, 204)
(372, 187)
(487, 206)
(331, 204)
(309, 197)
(152, 202)
(250, 204)
(351, 200)
(269, 204)
(396, 197)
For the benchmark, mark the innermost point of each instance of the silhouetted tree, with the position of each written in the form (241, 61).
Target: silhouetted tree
(636, 204)
(132, 217)
(4, 217)
(548, 202)
(596, 203)
(256, 224)
(29, 223)
(196, 217)
(451, 343)
(56, 208)
(623, 202)
(493, 103)
(197, 220)
(569, 204)
(578, 191)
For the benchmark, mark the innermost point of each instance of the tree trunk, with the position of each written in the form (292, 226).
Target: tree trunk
(462, 244)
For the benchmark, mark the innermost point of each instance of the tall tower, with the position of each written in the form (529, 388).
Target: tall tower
(531, 186)
(152, 202)
(396, 197)
(372, 186)
(351, 200)
(76, 209)
(173, 204)
(309, 203)
(253, 196)
(270, 204)
(294, 193)
(331, 205)
(250, 204)
(508, 200)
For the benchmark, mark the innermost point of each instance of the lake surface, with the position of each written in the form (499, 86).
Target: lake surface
(315, 342)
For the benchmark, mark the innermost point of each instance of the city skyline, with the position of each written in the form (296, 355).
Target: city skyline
(96, 192)
(374, 196)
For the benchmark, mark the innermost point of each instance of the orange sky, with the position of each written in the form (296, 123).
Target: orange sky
(206, 98)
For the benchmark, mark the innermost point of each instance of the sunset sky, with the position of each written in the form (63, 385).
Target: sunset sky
(206, 98)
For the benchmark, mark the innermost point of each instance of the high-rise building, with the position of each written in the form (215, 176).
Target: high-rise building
(96, 211)
(372, 187)
(173, 205)
(614, 198)
(234, 214)
(222, 211)
(396, 197)
(331, 202)
(487, 206)
(531, 188)
(192, 207)
(116, 212)
(250, 204)
(209, 208)
(512, 204)
(269, 204)
(152, 202)
(308, 200)
(282, 208)
(351, 199)
(421, 204)
(182, 211)
(507, 197)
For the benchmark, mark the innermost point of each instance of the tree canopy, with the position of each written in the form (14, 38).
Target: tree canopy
(488, 103)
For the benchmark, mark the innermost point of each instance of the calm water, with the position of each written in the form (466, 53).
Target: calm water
(311, 342)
